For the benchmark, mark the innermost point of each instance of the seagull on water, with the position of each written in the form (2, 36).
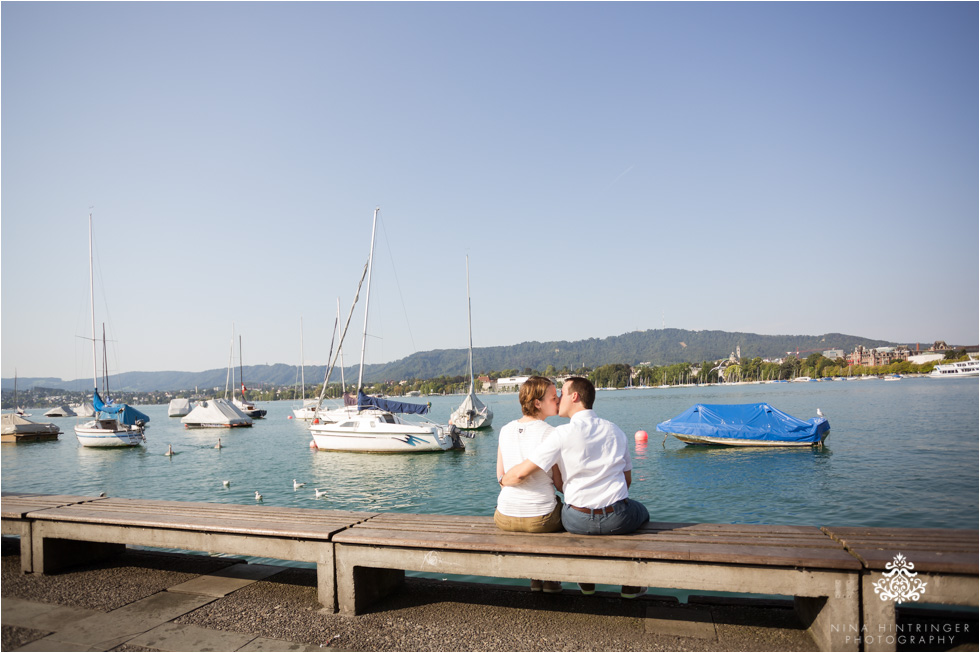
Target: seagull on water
(218, 446)
(297, 485)
(226, 483)
(319, 492)
(170, 450)
(258, 497)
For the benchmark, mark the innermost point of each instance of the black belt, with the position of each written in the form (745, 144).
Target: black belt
(604, 511)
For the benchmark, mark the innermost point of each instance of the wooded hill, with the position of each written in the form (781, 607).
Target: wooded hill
(658, 347)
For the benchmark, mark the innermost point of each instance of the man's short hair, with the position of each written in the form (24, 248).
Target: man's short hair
(531, 390)
(584, 388)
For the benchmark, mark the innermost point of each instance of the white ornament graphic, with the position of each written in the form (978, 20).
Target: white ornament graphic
(900, 583)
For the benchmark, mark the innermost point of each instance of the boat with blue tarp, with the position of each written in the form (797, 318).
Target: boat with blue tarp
(745, 425)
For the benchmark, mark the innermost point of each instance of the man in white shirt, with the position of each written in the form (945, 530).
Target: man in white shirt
(593, 456)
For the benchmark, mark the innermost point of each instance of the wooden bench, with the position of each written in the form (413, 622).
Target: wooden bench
(800, 561)
(71, 533)
(945, 560)
(14, 508)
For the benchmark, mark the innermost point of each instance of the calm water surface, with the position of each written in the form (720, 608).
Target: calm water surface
(902, 454)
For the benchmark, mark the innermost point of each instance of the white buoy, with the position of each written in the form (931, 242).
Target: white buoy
(312, 444)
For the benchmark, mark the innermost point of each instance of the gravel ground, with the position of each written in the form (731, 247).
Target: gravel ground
(431, 615)
(427, 615)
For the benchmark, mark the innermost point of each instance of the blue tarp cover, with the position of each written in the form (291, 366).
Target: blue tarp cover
(364, 401)
(123, 412)
(745, 422)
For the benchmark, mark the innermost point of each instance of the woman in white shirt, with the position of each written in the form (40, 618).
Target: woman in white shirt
(533, 506)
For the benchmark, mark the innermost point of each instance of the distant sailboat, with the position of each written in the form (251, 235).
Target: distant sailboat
(115, 425)
(376, 427)
(244, 404)
(472, 414)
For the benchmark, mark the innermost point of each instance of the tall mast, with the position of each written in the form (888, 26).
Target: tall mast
(367, 300)
(241, 367)
(302, 360)
(91, 296)
(231, 359)
(469, 318)
(340, 347)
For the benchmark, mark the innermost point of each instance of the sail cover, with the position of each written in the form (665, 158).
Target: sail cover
(364, 401)
(745, 422)
(123, 412)
(216, 412)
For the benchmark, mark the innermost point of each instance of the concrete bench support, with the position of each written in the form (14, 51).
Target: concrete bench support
(881, 630)
(21, 528)
(57, 545)
(824, 598)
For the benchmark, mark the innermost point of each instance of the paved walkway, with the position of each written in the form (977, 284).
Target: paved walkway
(147, 623)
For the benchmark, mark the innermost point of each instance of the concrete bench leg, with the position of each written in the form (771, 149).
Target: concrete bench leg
(326, 585)
(833, 622)
(22, 529)
(880, 624)
(359, 587)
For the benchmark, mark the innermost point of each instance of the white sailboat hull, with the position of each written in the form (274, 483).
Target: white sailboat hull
(373, 433)
(108, 433)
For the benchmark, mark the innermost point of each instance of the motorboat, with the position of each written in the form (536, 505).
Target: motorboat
(472, 414)
(377, 425)
(957, 369)
(745, 425)
(15, 428)
(114, 424)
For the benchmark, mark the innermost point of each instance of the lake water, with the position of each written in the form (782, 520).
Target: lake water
(901, 454)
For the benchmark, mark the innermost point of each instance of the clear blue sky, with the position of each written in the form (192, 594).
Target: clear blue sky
(797, 168)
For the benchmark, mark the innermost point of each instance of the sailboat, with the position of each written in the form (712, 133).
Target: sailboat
(377, 426)
(472, 414)
(311, 408)
(244, 404)
(115, 425)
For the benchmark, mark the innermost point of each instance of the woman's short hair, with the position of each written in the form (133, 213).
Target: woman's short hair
(533, 390)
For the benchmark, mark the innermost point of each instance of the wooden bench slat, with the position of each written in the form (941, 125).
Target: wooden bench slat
(629, 547)
(808, 541)
(17, 505)
(924, 561)
(410, 519)
(252, 520)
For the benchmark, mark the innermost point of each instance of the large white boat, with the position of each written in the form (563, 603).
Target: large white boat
(375, 427)
(472, 414)
(115, 425)
(959, 368)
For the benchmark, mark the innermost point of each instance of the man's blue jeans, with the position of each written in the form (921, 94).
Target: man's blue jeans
(627, 516)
